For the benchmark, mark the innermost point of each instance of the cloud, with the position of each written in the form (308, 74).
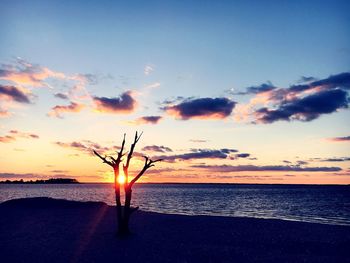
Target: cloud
(339, 139)
(306, 79)
(91, 79)
(257, 89)
(13, 93)
(202, 108)
(86, 146)
(242, 155)
(198, 140)
(73, 107)
(199, 154)
(305, 109)
(4, 113)
(10, 96)
(24, 73)
(339, 159)
(155, 148)
(59, 171)
(152, 86)
(61, 96)
(15, 175)
(123, 104)
(148, 69)
(255, 168)
(13, 135)
(28, 176)
(147, 120)
(341, 80)
(303, 102)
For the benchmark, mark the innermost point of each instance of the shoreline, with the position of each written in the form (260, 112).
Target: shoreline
(54, 230)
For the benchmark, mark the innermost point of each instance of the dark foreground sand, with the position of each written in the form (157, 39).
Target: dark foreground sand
(49, 230)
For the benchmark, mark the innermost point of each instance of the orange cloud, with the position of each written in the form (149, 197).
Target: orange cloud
(59, 109)
(25, 73)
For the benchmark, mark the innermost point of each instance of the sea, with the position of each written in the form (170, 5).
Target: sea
(326, 204)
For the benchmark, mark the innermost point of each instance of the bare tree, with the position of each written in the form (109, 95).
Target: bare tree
(124, 212)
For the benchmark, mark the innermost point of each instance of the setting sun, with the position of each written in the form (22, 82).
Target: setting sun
(121, 179)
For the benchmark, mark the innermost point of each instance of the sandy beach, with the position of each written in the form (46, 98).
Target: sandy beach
(51, 230)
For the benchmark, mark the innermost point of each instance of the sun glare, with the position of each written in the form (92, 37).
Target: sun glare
(121, 179)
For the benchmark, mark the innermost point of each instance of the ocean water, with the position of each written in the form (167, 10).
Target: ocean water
(319, 204)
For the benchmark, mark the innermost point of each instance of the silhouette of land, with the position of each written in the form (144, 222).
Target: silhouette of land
(51, 230)
(48, 181)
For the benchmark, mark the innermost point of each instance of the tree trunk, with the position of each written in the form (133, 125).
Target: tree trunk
(127, 211)
(118, 202)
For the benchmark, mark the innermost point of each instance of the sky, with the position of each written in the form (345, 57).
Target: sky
(223, 91)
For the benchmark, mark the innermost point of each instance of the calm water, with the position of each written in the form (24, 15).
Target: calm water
(322, 204)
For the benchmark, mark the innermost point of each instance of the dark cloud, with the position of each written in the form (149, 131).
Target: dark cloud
(339, 159)
(304, 79)
(148, 120)
(199, 154)
(341, 80)
(340, 139)
(123, 104)
(305, 109)
(242, 155)
(61, 96)
(155, 148)
(14, 94)
(257, 89)
(255, 168)
(304, 102)
(300, 162)
(202, 108)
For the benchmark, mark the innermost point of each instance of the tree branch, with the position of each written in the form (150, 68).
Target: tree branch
(126, 166)
(104, 159)
(148, 164)
(120, 153)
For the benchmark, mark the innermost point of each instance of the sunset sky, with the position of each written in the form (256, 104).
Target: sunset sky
(224, 91)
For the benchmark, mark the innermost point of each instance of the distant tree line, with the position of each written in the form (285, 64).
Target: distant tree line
(48, 181)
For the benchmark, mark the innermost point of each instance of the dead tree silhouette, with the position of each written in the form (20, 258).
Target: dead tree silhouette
(124, 212)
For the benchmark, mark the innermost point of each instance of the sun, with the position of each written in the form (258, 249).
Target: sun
(121, 179)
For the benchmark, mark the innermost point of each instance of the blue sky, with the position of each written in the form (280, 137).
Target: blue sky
(199, 49)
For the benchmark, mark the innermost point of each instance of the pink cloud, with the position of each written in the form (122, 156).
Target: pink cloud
(13, 135)
(73, 107)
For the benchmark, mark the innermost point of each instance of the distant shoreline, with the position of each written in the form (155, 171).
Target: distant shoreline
(48, 181)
